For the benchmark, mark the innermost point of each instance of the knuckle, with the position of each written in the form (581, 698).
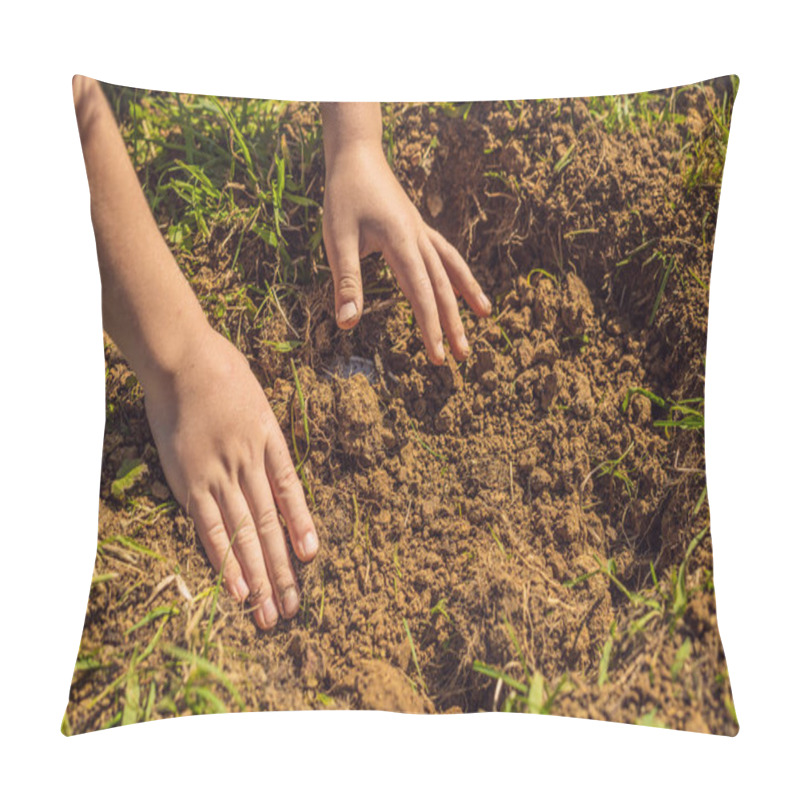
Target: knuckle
(259, 591)
(400, 241)
(349, 282)
(267, 520)
(195, 497)
(441, 284)
(265, 418)
(217, 535)
(419, 283)
(452, 253)
(252, 453)
(440, 242)
(196, 493)
(273, 436)
(246, 535)
(283, 577)
(284, 479)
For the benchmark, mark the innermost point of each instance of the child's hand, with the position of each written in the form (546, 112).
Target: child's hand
(222, 450)
(226, 461)
(365, 211)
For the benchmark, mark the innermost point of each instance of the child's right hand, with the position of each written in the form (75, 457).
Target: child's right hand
(226, 461)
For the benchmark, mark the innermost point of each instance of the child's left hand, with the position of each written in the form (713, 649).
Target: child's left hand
(366, 211)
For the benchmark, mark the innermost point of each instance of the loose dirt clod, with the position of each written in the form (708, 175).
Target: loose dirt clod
(361, 431)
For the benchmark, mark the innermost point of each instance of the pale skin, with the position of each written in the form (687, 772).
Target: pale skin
(220, 445)
(366, 210)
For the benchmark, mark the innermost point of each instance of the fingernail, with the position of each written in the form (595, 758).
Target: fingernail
(485, 302)
(438, 353)
(270, 612)
(290, 602)
(241, 589)
(463, 344)
(347, 312)
(309, 545)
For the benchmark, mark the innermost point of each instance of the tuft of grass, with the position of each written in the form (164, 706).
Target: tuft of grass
(130, 472)
(120, 545)
(441, 608)
(230, 181)
(681, 595)
(651, 720)
(612, 468)
(414, 654)
(565, 160)
(668, 265)
(609, 569)
(605, 658)
(425, 446)
(684, 651)
(650, 606)
(200, 687)
(533, 696)
(629, 256)
(706, 154)
(499, 544)
(683, 415)
(155, 614)
(646, 111)
(680, 414)
(148, 683)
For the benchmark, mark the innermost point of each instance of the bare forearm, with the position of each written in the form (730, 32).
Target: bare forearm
(149, 309)
(348, 124)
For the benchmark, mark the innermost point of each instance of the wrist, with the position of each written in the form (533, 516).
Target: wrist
(180, 339)
(351, 128)
(354, 155)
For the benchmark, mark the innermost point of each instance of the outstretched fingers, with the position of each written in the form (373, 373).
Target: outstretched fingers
(430, 272)
(273, 542)
(288, 491)
(412, 275)
(446, 302)
(460, 274)
(246, 541)
(214, 537)
(241, 531)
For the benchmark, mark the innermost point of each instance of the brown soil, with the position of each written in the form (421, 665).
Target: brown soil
(457, 503)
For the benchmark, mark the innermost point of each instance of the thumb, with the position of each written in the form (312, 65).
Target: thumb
(346, 268)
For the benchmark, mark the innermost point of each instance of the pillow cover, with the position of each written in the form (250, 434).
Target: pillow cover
(523, 530)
